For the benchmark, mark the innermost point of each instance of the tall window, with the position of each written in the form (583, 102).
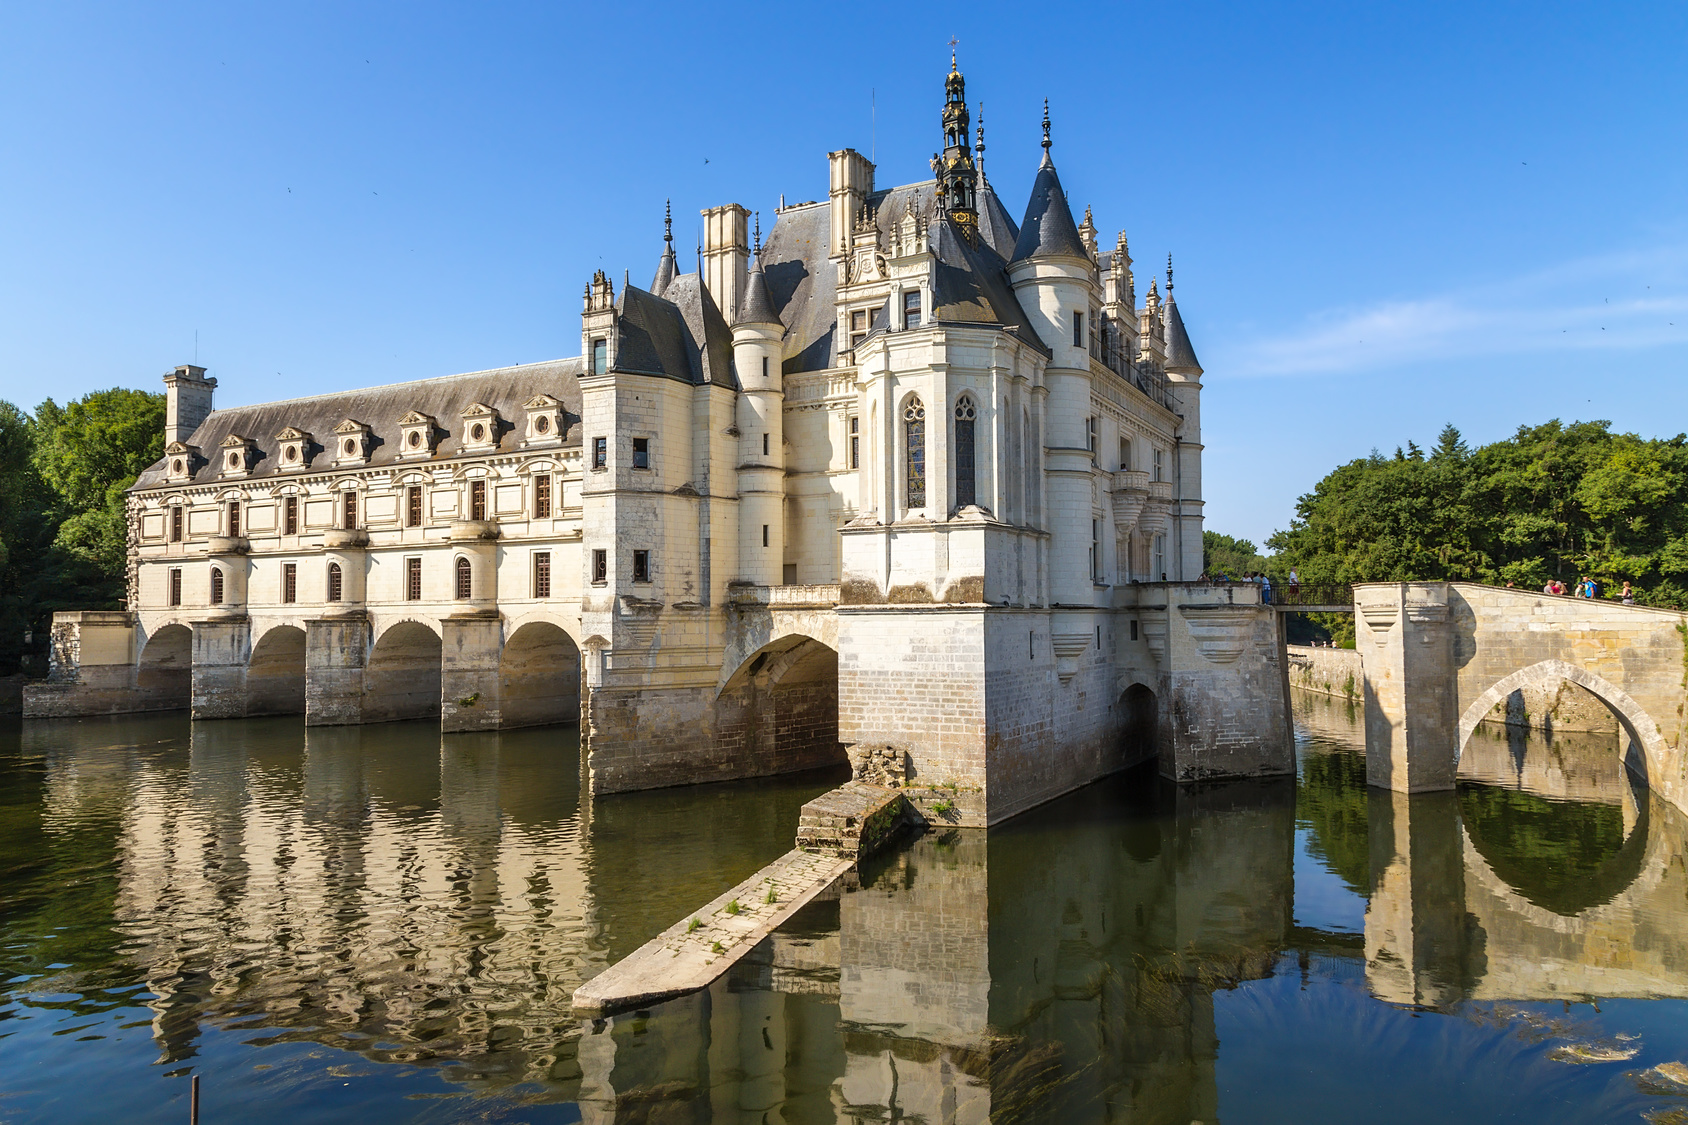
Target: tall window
(176, 524)
(600, 566)
(1160, 557)
(1096, 550)
(1160, 464)
(216, 585)
(641, 566)
(641, 453)
(289, 583)
(175, 585)
(234, 518)
(477, 499)
(1078, 329)
(542, 496)
(600, 452)
(1124, 454)
(911, 309)
(290, 516)
(349, 509)
(914, 433)
(966, 414)
(542, 574)
(764, 445)
(600, 356)
(413, 580)
(855, 442)
(465, 579)
(413, 506)
(336, 582)
(858, 328)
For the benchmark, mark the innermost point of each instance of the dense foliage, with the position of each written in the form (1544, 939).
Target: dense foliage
(63, 531)
(1221, 554)
(1552, 501)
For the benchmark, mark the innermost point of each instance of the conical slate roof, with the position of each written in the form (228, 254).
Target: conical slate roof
(1180, 356)
(756, 307)
(667, 269)
(1048, 228)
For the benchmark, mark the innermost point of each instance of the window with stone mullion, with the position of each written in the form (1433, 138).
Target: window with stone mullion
(914, 432)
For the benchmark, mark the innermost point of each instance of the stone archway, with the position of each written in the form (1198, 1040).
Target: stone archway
(402, 680)
(165, 673)
(275, 673)
(778, 711)
(539, 674)
(1648, 748)
(1139, 725)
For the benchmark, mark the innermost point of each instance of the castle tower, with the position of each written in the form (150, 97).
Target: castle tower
(1184, 380)
(757, 333)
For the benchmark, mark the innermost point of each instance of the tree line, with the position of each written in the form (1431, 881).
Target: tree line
(64, 472)
(1557, 500)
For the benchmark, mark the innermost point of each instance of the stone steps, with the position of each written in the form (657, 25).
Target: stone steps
(835, 831)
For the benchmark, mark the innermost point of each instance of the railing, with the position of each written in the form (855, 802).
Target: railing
(1304, 594)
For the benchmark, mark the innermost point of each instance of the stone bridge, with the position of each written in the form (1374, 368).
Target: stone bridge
(1440, 657)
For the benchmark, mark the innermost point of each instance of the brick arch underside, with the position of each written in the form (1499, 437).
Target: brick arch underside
(539, 676)
(778, 712)
(1644, 734)
(402, 678)
(275, 673)
(165, 670)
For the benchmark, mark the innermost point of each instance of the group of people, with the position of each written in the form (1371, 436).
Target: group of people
(1585, 588)
(1255, 577)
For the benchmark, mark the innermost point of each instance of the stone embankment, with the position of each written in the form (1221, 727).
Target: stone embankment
(1329, 671)
(835, 832)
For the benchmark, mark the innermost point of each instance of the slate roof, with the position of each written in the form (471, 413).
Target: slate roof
(681, 335)
(504, 389)
(970, 286)
(803, 285)
(666, 269)
(1180, 356)
(757, 307)
(1048, 228)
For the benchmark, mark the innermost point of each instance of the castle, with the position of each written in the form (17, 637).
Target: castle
(907, 482)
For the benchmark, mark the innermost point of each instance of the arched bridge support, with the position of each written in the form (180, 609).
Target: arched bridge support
(1438, 657)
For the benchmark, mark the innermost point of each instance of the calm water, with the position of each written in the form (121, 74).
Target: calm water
(377, 925)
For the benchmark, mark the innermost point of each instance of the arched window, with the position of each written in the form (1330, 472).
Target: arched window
(336, 583)
(464, 584)
(914, 430)
(216, 586)
(966, 414)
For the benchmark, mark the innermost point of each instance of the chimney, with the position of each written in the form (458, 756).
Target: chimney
(188, 401)
(851, 184)
(726, 255)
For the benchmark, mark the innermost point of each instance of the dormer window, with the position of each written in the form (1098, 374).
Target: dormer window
(858, 328)
(351, 443)
(911, 309)
(180, 461)
(293, 447)
(418, 434)
(480, 428)
(545, 424)
(235, 453)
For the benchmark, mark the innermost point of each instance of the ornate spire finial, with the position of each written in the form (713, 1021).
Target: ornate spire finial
(1169, 274)
(756, 246)
(1045, 124)
(668, 220)
(953, 44)
(980, 147)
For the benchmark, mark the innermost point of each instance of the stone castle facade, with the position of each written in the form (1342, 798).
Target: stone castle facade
(909, 481)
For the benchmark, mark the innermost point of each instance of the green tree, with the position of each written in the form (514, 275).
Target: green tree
(89, 452)
(1223, 554)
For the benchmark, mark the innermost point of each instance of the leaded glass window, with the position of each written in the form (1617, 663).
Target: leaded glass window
(914, 430)
(965, 488)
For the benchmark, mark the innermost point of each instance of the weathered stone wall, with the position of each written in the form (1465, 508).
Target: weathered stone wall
(1328, 671)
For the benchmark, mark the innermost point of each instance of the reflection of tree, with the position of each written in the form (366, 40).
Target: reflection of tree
(1564, 856)
(1331, 798)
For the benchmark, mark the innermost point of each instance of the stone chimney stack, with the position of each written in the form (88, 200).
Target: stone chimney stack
(726, 255)
(188, 401)
(851, 184)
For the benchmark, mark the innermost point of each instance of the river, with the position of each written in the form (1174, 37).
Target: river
(377, 924)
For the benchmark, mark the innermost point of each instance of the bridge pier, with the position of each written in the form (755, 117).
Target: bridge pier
(1405, 640)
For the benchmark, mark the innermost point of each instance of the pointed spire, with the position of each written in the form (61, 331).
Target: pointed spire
(1169, 276)
(1046, 128)
(667, 267)
(980, 147)
(1180, 355)
(756, 246)
(756, 306)
(1048, 228)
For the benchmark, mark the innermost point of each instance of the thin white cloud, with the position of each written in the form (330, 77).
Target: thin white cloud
(1561, 308)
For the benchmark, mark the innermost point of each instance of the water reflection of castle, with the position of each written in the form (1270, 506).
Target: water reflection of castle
(438, 901)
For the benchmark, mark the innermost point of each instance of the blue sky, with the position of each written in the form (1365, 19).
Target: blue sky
(1384, 217)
